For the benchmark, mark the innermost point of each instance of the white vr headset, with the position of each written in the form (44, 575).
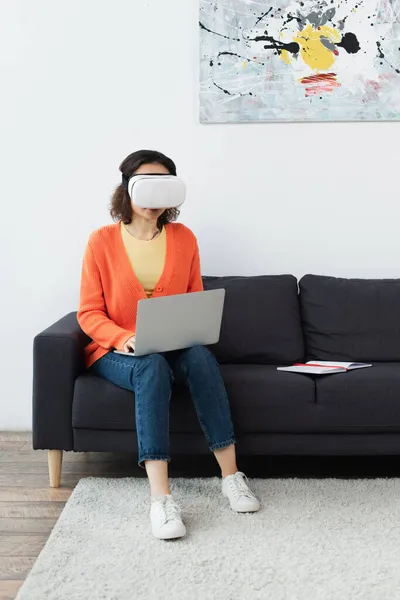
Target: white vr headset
(155, 191)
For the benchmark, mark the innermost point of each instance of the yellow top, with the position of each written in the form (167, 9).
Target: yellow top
(147, 258)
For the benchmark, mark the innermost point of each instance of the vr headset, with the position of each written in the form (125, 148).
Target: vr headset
(155, 190)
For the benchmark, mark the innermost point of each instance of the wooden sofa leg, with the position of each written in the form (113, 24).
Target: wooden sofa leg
(55, 464)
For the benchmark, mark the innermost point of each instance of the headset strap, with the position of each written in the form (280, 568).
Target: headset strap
(125, 182)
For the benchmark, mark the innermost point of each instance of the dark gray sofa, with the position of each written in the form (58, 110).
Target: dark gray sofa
(268, 321)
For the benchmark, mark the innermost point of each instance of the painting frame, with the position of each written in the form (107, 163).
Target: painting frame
(296, 61)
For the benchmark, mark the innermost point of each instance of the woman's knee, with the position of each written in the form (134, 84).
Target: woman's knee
(116, 369)
(198, 355)
(156, 365)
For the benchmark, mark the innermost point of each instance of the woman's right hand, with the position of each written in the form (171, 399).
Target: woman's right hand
(129, 346)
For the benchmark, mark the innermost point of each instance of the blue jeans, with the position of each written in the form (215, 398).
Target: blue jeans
(151, 377)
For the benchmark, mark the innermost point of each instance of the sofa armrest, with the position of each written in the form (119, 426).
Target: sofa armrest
(57, 361)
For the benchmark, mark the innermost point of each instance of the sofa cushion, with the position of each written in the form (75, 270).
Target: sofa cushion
(261, 322)
(99, 404)
(262, 400)
(367, 400)
(351, 319)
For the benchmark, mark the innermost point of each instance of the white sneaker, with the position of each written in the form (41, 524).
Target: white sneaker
(165, 516)
(240, 496)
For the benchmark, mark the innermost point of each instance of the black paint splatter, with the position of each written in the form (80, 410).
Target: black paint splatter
(263, 16)
(258, 62)
(222, 89)
(292, 18)
(350, 43)
(227, 92)
(219, 34)
(381, 54)
(292, 47)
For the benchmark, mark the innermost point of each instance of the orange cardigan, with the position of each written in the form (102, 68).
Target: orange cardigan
(110, 289)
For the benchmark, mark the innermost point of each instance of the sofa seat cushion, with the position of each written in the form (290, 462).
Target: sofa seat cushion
(99, 404)
(367, 400)
(262, 400)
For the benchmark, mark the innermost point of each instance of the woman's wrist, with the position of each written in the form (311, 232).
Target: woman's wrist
(122, 340)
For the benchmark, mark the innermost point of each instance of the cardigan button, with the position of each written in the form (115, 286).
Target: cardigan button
(159, 288)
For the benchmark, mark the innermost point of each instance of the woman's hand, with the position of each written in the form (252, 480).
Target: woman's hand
(129, 346)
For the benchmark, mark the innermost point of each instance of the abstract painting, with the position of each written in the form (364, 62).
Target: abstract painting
(299, 60)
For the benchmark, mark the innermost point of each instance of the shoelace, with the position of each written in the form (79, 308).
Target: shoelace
(172, 510)
(168, 509)
(239, 487)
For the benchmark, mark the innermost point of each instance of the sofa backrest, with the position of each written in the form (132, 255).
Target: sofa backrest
(261, 322)
(351, 319)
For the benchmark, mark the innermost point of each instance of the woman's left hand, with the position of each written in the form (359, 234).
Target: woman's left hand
(129, 345)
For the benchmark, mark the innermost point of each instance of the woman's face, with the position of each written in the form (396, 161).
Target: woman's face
(150, 214)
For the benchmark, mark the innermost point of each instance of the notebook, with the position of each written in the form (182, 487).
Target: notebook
(324, 367)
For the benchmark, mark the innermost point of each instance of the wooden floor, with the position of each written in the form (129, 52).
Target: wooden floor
(29, 508)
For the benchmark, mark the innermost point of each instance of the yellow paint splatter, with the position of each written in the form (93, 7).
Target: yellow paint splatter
(244, 64)
(312, 50)
(285, 56)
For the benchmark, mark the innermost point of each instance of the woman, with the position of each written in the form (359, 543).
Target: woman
(145, 254)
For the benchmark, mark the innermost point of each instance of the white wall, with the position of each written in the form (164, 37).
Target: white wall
(85, 83)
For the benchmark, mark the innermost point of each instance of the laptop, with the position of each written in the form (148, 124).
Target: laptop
(176, 322)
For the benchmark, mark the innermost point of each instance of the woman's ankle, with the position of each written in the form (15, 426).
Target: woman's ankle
(157, 492)
(229, 472)
(157, 472)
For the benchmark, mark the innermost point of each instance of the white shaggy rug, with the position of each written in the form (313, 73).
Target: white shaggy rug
(313, 539)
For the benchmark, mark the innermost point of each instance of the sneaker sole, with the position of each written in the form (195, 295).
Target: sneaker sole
(244, 510)
(174, 536)
(241, 510)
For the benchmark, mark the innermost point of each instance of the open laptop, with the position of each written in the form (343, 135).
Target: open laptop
(176, 322)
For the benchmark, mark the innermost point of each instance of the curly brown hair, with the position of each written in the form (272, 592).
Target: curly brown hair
(121, 205)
